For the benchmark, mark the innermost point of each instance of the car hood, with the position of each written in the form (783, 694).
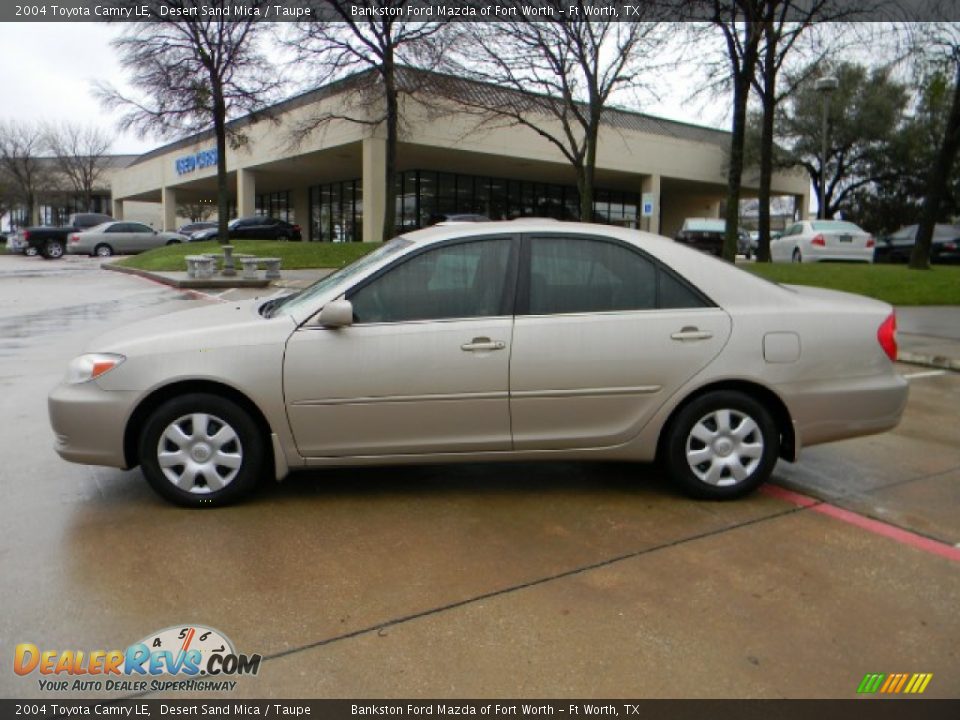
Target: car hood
(218, 325)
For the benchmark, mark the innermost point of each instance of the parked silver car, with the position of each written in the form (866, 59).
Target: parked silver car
(119, 238)
(523, 340)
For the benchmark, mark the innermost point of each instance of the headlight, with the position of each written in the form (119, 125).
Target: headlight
(90, 366)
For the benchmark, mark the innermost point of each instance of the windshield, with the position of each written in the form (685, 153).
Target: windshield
(297, 301)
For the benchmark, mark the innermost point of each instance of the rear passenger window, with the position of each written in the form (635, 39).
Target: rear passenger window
(570, 275)
(675, 293)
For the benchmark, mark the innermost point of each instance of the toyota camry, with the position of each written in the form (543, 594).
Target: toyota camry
(523, 340)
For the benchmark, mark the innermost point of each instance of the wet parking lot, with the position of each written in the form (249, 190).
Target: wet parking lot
(476, 581)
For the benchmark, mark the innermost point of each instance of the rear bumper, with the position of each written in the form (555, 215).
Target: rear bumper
(88, 423)
(816, 254)
(845, 408)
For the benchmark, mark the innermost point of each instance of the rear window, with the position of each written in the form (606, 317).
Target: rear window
(838, 225)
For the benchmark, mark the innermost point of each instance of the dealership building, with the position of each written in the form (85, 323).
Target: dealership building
(310, 161)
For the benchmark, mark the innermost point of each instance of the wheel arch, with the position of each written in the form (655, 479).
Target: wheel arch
(160, 395)
(762, 394)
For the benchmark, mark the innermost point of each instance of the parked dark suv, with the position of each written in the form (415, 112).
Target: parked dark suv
(258, 227)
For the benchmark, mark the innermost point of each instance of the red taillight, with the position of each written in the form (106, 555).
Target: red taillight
(887, 336)
(26, 235)
(74, 238)
(296, 228)
(871, 242)
(819, 241)
(950, 246)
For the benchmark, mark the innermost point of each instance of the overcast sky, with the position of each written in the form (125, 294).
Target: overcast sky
(47, 72)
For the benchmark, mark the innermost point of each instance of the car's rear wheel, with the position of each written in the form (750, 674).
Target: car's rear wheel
(722, 445)
(103, 250)
(797, 257)
(173, 242)
(201, 450)
(52, 250)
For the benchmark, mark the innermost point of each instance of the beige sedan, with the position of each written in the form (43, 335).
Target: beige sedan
(523, 340)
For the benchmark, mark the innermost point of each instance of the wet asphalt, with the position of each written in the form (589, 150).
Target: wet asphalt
(553, 580)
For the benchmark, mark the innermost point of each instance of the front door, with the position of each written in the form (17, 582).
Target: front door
(423, 369)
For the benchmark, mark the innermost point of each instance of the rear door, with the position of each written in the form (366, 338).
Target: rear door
(603, 336)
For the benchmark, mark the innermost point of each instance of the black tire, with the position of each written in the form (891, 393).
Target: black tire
(753, 455)
(52, 250)
(797, 257)
(195, 486)
(173, 242)
(103, 250)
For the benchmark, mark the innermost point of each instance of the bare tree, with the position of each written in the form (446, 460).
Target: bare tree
(559, 72)
(373, 39)
(729, 67)
(195, 210)
(193, 71)
(939, 46)
(21, 146)
(80, 153)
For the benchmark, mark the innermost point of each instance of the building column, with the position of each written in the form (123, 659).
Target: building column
(117, 209)
(246, 193)
(374, 190)
(651, 191)
(803, 204)
(168, 198)
(300, 198)
(34, 219)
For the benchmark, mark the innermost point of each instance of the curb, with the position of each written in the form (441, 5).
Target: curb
(940, 362)
(192, 283)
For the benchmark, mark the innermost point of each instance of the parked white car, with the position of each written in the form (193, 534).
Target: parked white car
(814, 240)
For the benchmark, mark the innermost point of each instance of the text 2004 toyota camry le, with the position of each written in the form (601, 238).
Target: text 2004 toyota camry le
(524, 340)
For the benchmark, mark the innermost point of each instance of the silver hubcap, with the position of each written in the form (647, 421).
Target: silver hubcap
(200, 453)
(55, 250)
(724, 448)
(103, 251)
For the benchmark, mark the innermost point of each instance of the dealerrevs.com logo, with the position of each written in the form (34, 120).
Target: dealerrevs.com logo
(182, 657)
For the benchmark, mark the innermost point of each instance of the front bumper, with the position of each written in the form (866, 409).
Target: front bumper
(89, 423)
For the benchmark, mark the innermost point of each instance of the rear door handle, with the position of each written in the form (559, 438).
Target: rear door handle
(483, 343)
(691, 333)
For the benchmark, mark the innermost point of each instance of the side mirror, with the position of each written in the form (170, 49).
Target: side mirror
(336, 313)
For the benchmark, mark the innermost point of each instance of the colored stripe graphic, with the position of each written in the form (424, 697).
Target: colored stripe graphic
(907, 683)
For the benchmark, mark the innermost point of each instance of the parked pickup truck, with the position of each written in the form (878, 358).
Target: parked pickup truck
(51, 242)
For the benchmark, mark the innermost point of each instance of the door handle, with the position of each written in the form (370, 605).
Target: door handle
(483, 343)
(691, 333)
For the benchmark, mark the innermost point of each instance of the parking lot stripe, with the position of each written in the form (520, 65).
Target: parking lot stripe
(877, 527)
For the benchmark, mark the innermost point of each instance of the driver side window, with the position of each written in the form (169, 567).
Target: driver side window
(463, 280)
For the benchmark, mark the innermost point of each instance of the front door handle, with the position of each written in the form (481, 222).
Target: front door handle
(483, 343)
(691, 333)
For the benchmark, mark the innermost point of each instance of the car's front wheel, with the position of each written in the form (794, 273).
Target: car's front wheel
(201, 450)
(722, 445)
(797, 257)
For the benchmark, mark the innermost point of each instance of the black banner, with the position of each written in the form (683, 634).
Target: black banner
(867, 709)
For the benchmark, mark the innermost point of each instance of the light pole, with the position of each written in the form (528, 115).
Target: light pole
(824, 86)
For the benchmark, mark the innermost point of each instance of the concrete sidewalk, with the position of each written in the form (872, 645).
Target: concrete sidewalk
(927, 336)
(930, 336)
